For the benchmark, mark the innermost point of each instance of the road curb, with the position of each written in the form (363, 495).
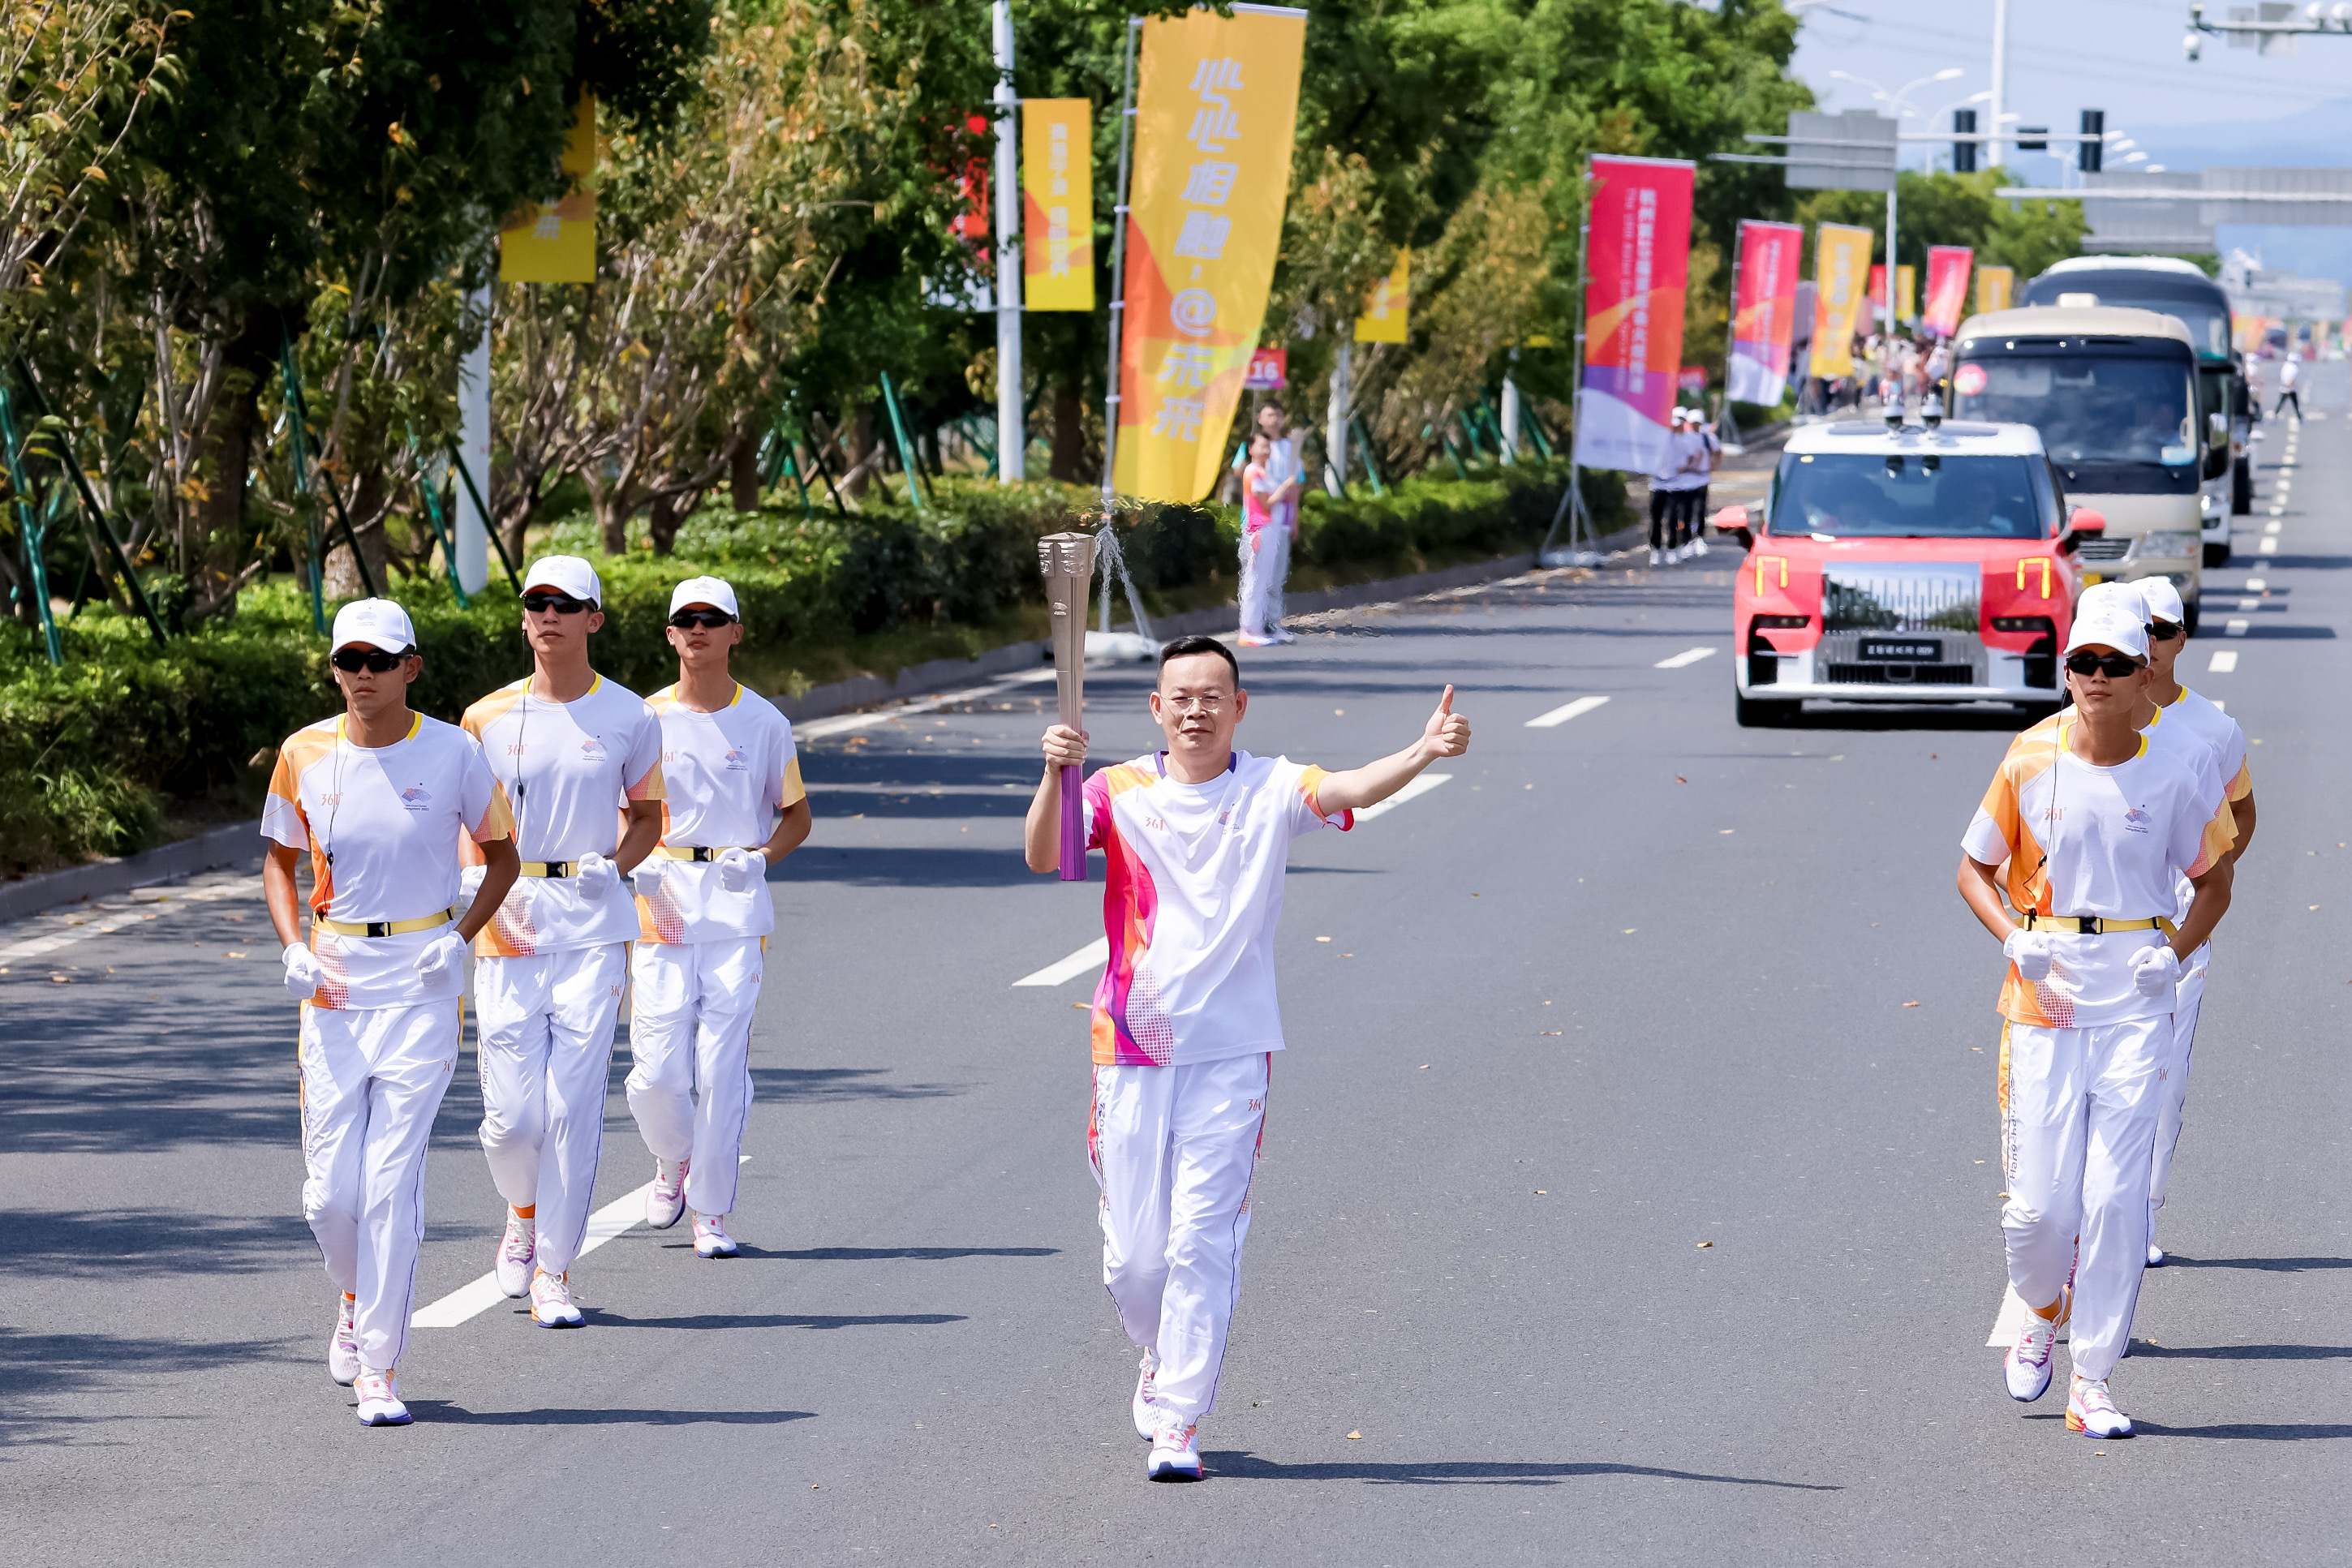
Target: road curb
(232, 845)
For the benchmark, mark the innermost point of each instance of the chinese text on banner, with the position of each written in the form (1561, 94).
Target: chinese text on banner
(1841, 266)
(555, 242)
(1637, 268)
(1764, 316)
(1993, 284)
(1057, 205)
(1384, 320)
(1948, 288)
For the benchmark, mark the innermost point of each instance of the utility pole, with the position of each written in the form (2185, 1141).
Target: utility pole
(1012, 439)
(2000, 79)
(472, 559)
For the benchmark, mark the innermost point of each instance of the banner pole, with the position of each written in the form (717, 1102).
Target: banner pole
(1117, 272)
(30, 530)
(1571, 504)
(1011, 427)
(1731, 332)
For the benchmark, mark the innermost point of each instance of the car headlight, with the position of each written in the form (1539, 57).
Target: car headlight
(2165, 545)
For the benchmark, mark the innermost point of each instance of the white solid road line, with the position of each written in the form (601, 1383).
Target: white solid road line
(1420, 786)
(471, 1300)
(147, 909)
(2224, 660)
(1689, 656)
(1565, 712)
(1093, 955)
(818, 728)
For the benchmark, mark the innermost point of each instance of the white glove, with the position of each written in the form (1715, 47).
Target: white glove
(2029, 951)
(2156, 970)
(445, 951)
(302, 972)
(470, 881)
(740, 868)
(597, 876)
(648, 878)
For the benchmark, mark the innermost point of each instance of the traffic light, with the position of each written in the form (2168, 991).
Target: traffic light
(1964, 152)
(2027, 136)
(2094, 143)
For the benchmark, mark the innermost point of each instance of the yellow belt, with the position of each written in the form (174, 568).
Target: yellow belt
(691, 851)
(550, 868)
(2095, 924)
(384, 927)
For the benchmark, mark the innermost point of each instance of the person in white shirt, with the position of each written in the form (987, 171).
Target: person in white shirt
(1185, 1020)
(2290, 372)
(380, 796)
(2096, 827)
(1265, 555)
(577, 755)
(734, 807)
(1664, 482)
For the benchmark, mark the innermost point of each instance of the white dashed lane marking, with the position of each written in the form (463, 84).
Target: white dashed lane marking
(2224, 660)
(1689, 656)
(1093, 955)
(1421, 785)
(244, 887)
(1565, 712)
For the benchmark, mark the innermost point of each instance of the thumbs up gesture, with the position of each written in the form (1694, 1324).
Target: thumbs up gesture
(1447, 733)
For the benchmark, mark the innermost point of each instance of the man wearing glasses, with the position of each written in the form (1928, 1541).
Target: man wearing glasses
(1185, 1020)
(2097, 826)
(734, 806)
(380, 796)
(574, 753)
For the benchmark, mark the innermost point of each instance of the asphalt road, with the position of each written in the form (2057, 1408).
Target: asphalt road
(1579, 1237)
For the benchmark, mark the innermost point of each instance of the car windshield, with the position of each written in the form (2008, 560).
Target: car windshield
(1911, 494)
(2089, 408)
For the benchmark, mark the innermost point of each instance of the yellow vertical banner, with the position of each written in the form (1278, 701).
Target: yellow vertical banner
(1993, 284)
(1907, 292)
(1384, 320)
(1216, 111)
(1057, 203)
(555, 242)
(1841, 273)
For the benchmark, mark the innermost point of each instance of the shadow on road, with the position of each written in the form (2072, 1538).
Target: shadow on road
(2241, 1352)
(2267, 1265)
(1245, 1466)
(2287, 1432)
(457, 1415)
(884, 1254)
(776, 1321)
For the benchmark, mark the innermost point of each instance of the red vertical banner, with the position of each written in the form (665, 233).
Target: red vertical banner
(1764, 316)
(1948, 288)
(1637, 275)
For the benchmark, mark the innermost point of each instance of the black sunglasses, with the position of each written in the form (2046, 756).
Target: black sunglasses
(2115, 667)
(712, 619)
(2164, 631)
(375, 660)
(562, 603)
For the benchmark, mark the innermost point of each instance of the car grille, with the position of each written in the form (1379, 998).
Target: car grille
(1902, 676)
(1896, 597)
(2102, 549)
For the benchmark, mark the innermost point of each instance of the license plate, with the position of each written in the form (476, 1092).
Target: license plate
(1908, 653)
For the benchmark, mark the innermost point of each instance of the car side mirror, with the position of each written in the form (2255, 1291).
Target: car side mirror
(1733, 520)
(2082, 523)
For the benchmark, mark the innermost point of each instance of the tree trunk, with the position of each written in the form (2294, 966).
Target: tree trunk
(861, 447)
(342, 579)
(661, 525)
(224, 459)
(1068, 463)
(743, 467)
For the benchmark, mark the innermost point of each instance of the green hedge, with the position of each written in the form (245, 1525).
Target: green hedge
(90, 754)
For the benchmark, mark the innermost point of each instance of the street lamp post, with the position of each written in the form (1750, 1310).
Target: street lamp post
(1900, 103)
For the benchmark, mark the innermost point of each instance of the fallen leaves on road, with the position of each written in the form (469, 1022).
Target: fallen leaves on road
(1322, 938)
(1424, 1066)
(1630, 930)
(1910, 1004)
(1352, 1437)
(1680, 780)
(1704, 1244)
(1547, 1031)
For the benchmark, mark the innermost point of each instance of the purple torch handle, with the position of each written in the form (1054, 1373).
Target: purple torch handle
(1074, 828)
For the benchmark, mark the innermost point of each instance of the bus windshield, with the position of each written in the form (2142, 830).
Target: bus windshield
(1913, 494)
(2089, 407)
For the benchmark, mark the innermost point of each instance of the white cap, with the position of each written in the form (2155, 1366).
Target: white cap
(567, 574)
(708, 590)
(2109, 625)
(1680, 413)
(2112, 597)
(2161, 600)
(378, 623)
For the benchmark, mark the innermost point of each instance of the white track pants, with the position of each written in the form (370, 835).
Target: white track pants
(372, 1080)
(1264, 570)
(545, 1029)
(2175, 1078)
(690, 1041)
(1173, 1150)
(2078, 1130)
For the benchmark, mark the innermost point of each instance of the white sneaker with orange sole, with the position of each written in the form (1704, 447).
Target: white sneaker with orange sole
(516, 1250)
(1146, 1413)
(2091, 1410)
(1175, 1450)
(551, 1302)
(666, 1201)
(344, 1346)
(379, 1403)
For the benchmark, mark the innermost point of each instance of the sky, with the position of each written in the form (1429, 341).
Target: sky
(2231, 108)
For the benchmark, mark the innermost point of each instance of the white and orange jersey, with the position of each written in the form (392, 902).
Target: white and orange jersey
(383, 825)
(2199, 744)
(1190, 902)
(2109, 842)
(567, 770)
(2204, 717)
(727, 777)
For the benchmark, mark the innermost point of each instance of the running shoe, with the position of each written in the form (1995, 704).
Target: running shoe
(666, 1201)
(2154, 1256)
(711, 1238)
(1247, 640)
(379, 1403)
(1146, 1413)
(515, 1252)
(1657, 557)
(1283, 635)
(343, 1349)
(551, 1302)
(2091, 1410)
(1699, 547)
(1175, 1450)
(2026, 1367)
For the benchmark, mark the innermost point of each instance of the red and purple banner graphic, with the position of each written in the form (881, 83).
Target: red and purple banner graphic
(1637, 265)
(1764, 316)
(1269, 371)
(1948, 288)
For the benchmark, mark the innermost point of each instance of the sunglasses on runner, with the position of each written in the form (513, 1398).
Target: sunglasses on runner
(375, 660)
(2115, 667)
(562, 603)
(2164, 631)
(711, 619)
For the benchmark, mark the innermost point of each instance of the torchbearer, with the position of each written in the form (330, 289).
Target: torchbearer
(379, 795)
(2095, 826)
(1185, 1020)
